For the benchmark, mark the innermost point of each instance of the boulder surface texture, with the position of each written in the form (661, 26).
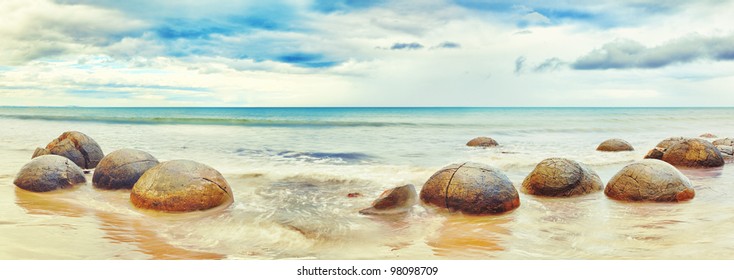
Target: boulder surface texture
(76, 146)
(47, 173)
(561, 177)
(649, 180)
(121, 169)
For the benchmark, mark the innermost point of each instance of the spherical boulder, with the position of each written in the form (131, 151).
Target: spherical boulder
(666, 143)
(693, 153)
(471, 188)
(49, 172)
(122, 168)
(649, 180)
(393, 201)
(724, 142)
(76, 146)
(614, 145)
(482, 142)
(561, 177)
(181, 185)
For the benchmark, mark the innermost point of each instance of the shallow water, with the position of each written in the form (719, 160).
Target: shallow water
(291, 171)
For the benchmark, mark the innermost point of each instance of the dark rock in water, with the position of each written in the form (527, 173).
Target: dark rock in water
(482, 142)
(665, 144)
(393, 201)
(122, 168)
(615, 145)
(181, 185)
(726, 150)
(472, 188)
(656, 153)
(649, 180)
(48, 173)
(76, 146)
(354, 194)
(561, 177)
(724, 142)
(693, 153)
(707, 135)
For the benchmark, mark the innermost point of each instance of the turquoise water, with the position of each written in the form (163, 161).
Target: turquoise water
(292, 168)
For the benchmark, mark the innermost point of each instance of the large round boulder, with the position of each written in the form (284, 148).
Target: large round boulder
(76, 146)
(561, 177)
(482, 142)
(666, 143)
(47, 173)
(393, 201)
(181, 185)
(649, 180)
(122, 168)
(471, 188)
(693, 153)
(615, 145)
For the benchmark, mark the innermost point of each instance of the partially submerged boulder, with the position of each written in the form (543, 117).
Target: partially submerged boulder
(181, 185)
(47, 173)
(707, 135)
(693, 153)
(726, 150)
(615, 145)
(482, 142)
(76, 146)
(121, 169)
(471, 188)
(561, 177)
(649, 180)
(393, 201)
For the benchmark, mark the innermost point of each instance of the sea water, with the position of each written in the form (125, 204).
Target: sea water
(292, 170)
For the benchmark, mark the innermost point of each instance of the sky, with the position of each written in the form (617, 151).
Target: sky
(366, 53)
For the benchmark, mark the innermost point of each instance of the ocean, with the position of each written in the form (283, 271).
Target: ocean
(291, 170)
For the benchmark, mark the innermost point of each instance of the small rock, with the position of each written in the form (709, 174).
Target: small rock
(47, 173)
(354, 194)
(181, 185)
(655, 153)
(561, 177)
(76, 146)
(393, 201)
(122, 168)
(724, 142)
(472, 188)
(707, 135)
(728, 150)
(693, 153)
(614, 145)
(649, 180)
(482, 142)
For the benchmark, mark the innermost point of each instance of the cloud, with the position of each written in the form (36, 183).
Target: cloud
(623, 54)
(406, 46)
(549, 65)
(519, 64)
(447, 45)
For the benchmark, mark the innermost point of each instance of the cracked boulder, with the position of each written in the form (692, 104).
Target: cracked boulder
(76, 146)
(615, 145)
(693, 153)
(649, 180)
(47, 173)
(482, 142)
(122, 168)
(180, 186)
(561, 177)
(393, 201)
(471, 188)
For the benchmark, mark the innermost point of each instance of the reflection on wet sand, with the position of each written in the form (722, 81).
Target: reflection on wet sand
(124, 229)
(463, 236)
